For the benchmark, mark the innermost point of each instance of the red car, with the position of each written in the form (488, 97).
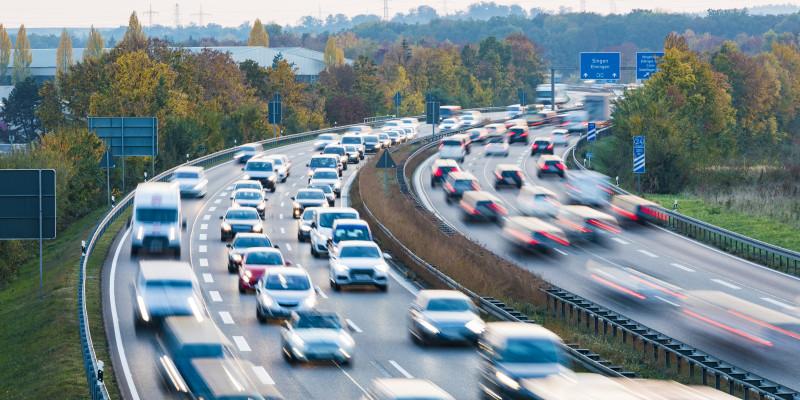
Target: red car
(256, 260)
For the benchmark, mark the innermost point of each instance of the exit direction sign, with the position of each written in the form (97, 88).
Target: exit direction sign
(600, 66)
(647, 63)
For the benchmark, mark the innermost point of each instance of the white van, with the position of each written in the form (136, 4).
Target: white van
(357, 140)
(157, 220)
(322, 227)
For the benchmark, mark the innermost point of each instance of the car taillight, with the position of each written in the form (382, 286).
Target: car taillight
(448, 187)
(497, 208)
(519, 174)
(560, 166)
(438, 173)
(545, 167)
(624, 213)
(550, 146)
(524, 134)
(604, 226)
(535, 146)
(653, 213)
(605, 189)
(555, 238)
(475, 186)
(468, 208)
(498, 175)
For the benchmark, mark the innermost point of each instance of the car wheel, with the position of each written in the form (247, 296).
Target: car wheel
(222, 237)
(539, 175)
(134, 251)
(433, 183)
(335, 286)
(314, 250)
(383, 288)
(241, 289)
(176, 253)
(289, 359)
(417, 341)
(272, 189)
(447, 199)
(232, 268)
(260, 315)
(345, 167)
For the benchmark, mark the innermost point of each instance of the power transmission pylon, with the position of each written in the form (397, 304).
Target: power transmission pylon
(200, 14)
(177, 15)
(150, 14)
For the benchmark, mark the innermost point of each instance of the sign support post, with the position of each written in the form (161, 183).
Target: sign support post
(41, 239)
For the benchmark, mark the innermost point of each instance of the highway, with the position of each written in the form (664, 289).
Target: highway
(679, 266)
(383, 347)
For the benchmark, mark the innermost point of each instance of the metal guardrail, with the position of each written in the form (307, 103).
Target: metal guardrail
(372, 120)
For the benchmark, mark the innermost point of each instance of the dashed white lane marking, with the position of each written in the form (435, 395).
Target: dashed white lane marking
(288, 246)
(226, 317)
(320, 292)
(203, 227)
(203, 236)
(217, 201)
(683, 267)
(620, 241)
(206, 217)
(223, 194)
(262, 375)
(212, 209)
(215, 297)
(241, 343)
(647, 253)
(562, 252)
(283, 230)
(400, 369)
(203, 249)
(229, 187)
(203, 262)
(280, 216)
(726, 284)
(353, 326)
(667, 301)
(777, 303)
(208, 278)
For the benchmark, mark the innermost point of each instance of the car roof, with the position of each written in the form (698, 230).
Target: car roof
(508, 167)
(533, 224)
(536, 189)
(462, 175)
(189, 168)
(324, 156)
(151, 193)
(165, 270)
(520, 330)
(427, 294)
(286, 271)
(262, 250)
(250, 181)
(550, 157)
(587, 212)
(312, 189)
(250, 235)
(334, 170)
(245, 190)
(350, 221)
(358, 243)
(336, 210)
(409, 388)
(559, 130)
(188, 330)
(239, 208)
(439, 162)
(478, 195)
(543, 139)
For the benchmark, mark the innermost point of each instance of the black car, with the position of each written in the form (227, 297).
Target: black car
(240, 243)
(507, 175)
(542, 146)
(457, 183)
(518, 134)
(371, 144)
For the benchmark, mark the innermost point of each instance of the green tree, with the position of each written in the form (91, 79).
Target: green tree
(258, 35)
(63, 54)
(788, 59)
(22, 57)
(19, 109)
(135, 86)
(94, 45)
(50, 111)
(367, 85)
(134, 38)
(5, 52)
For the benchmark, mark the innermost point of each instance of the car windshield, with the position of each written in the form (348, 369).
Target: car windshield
(323, 162)
(287, 282)
(259, 166)
(265, 258)
(509, 173)
(242, 214)
(160, 215)
(464, 183)
(186, 175)
(449, 121)
(393, 134)
(169, 284)
(529, 351)
(517, 130)
(248, 195)
(318, 321)
(383, 136)
(351, 148)
(308, 215)
(351, 140)
(326, 219)
(324, 188)
(370, 139)
(249, 185)
(277, 161)
(310, 195)
(334, 150)
(495, 139)
(248, 242)
(351, 233)
(360, 252)
(448, 305)
(325, 175)
(467, 117)
(451, 143)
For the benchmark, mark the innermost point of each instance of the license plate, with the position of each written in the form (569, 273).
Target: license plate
(363, 277)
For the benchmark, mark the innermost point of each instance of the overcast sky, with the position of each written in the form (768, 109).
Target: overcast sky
(111, 13)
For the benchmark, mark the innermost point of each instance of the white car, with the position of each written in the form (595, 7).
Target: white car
(253, 198)
(358, 129)
(438, 316)
(497, 146)
(327, 176)
(316, 336)
(324, 161)
(410, 132)
(191, 181)
(538, 201)
(322, 227)
(308, 198)
(450, 124)
(394, 124)
(356, 140)
(412, 122)
(358, 262)
(395, 136)
(282, 291)
(165, 288)
(246, 184)
(453, 148)
(404, 389)
(469, 120)
(282, 164)
(248, 151)
(496, 129)
(560, 136)
(262, 170)
(325, 139)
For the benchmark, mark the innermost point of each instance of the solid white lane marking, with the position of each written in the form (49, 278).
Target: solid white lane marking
(212, 209)
(217, 201)
(726, 284)
(241, 343)
(620, 241)
(262, 375)
(203, 227)
(667, 301)
(215, 296)
(647, 253)
(126, 370)
(321, 293)
(203, 236)
(208, 278)
(288, 246)
(203, 262)
(685, 268)
(226, 317)
(778, 303)
(353, 380)
(283, 230)
(206, 217)
(353, 326)
(400, 369)
(202, 249)
(280, 216)
(562, 252)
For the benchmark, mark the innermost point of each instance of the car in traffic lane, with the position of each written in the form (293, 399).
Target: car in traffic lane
(518, 133)
(358, 263)
(586, 223)
(542, 145)
(330, 195)
(530, 233)
(248, 151)
(496, 146)
(480, 205)
(405, 389)
(508, 175)
(240, 243)
(309, 336)
(444, 316)
(322, 227)
(239, 219)
(262, 170)
(338, 151)
(165, 288)
(327, 176)
(191, 181)
(255, 262)
(324, 140)
(551, 165)
(282, 291)
(307, 198)
(304, 225)
(251, 198)
(440, 168)
(324, 161)
(456, 183)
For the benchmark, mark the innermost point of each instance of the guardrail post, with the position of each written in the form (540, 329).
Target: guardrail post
(596, 322)
(717, 380)
(731, 386)
(624, 336)
(705, 376)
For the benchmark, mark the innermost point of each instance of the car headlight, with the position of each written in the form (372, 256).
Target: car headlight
(346, 339)
(140, 233)
(236, 258)
(428, 326)
(257, 227)
(337, 184)
(199, 186)
(246, 177)
(310, 302)
(266, 301)
(171, 233)
(341, 267)
(305, 228)
(296, 340)
(247, 274)
(272, 178)
(476, 326)
(296, 206)
(142, 308)
(382, 268)
(506, 380)
(226, 226)
(261, 206)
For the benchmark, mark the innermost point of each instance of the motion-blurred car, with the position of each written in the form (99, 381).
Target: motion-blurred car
(325, 139)
(322, 227)
(165, 288)
(358, 130)
(576, 122)
(412, 122)
(395, 137)
(237, 220)
(304, 225)
(316, 336)
(372, 144)
(454, 148)
(262, 170)
(515, 110)
(456, 183)
(496, 129)
(191, 181)
(324, 161)
(518, 134)
(477, 134)
(240, 243)
(541, 117)
(246, 184)
(252, 198)
(632, 208)
(327, 176)
(307, 198)
(538, 201)
(586, 223)
(444, 316)
(282, 165)
(468, 120)
(588, 188)
(355, 140)
(330, 195)
(497, 146)
(551, 165)
(283, 290)
(405, 389)
(632, 285)
(532, 233)
(440, 168)
(514, 351)
(248, 151)
(560, 137)
(353, 153)
(508, 175)
(480, 205)
(358, 263)
(542, 145)
(339, 151)
(450, 124)
(385, 140)
(255, 261)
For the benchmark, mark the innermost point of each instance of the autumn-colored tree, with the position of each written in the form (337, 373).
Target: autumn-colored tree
(22, 56)
(788, 108)
(136, 83)
(333, 56)
(134, 38)
(5, 52)
(63, 54)
(94, 45)
(258, 35)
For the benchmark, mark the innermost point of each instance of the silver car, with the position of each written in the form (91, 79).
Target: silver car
(252, 198)
(304, 225)
(358, 262)
(444, 316)
(325, 139)
(329, 193)
(327, 176)
(239, 219)
(308, 198)
(316, 336)
(191, 181)
(282, 291)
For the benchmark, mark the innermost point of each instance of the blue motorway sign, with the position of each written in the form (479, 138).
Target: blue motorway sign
(600, 66)
(398, 98)
(127, 136)
(647, 63)
(591, 132)
(638, 155)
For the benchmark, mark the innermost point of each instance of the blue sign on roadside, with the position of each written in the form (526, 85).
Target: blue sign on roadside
(638, 155)
(591, 132)
(647, 63)
(398, 98)
(600, 66)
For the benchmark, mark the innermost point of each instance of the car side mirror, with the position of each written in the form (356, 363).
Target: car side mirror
(229, 245)
(220, 217)
(287, 263)
(313, 224)
(307, 164)
(183, 224)
(276, 246)
(242, 168)
(387, 256)
(292, 198)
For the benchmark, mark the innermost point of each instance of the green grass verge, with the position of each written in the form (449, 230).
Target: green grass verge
(763, 228)
(41, 352)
